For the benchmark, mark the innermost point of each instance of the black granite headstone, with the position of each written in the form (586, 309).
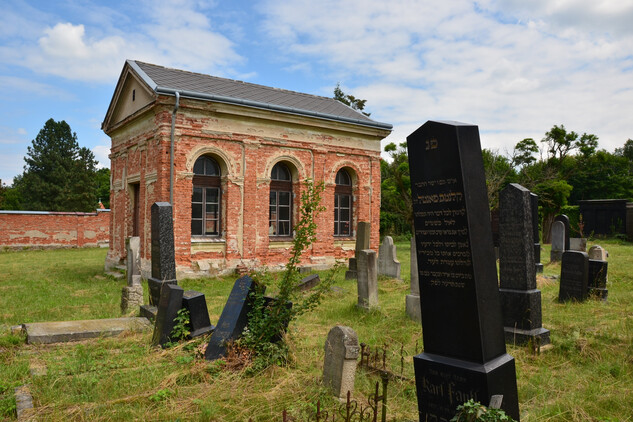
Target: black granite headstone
(565, 220)
(163, 254)
(537, 245)
(199, 321)
(573, 276)
(233, 319)
(520, 299)
(464, 349)
(168, 307)
(597, 279)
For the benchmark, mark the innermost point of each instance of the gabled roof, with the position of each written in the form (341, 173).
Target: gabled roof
(168, 81)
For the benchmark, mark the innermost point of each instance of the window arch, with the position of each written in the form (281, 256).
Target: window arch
(206, 204)
(343, 204)
(280, 202)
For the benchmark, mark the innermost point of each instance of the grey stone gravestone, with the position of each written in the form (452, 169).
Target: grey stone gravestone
(565, 220)
(573, 276)
(163, 254)
(308, 282)
(558, 241)
(132, 294)
(597, 252)
(339, 365)
(597, 279)
(367, 279)
(578, 244)
(199, 321)
(388, 263)
(520, 299)
(363, 234)
(464, 348)
(413, 299)
(168, 307)
(537, 245)
(233, 319)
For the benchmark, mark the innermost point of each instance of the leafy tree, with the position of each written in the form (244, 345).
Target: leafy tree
(396, 209)
(350, 100)
(499, 172)
(626, 150)
(58, 175)
(561, 143)
(103, 186)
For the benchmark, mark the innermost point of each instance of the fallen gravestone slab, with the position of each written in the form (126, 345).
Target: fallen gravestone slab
(65, 331)
(199, 321)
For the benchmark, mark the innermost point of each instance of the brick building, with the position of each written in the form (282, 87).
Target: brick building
(232, 158)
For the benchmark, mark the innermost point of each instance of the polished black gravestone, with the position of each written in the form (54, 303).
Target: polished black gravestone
(163, 255)
(520, 299)
(199, 321)
(233, 319)
(565, 220)
(574, 271)
(537, 245)
(597, 279)
(464, 348)
(168, 306)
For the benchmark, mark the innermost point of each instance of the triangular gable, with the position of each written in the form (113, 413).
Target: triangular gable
(131, 94)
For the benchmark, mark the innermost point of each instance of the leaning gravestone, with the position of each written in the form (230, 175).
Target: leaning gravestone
(132, 294)
(168, 307)
(367, 279)
(308, 283)
(558, 241)
(339, 365)
(464, 349)
(520, 299)
(233, 319)
(163, 254)
(535, 220)
(363, 234)
(413, 299)
(573, 276)
(388, 263)
(199, 321)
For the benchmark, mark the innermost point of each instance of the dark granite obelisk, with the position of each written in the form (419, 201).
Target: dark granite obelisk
(537, 245)
(520, 299)
(464, 349)
(163, 255)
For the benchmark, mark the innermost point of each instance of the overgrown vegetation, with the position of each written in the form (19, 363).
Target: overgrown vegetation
(587, 375)
(473, 411)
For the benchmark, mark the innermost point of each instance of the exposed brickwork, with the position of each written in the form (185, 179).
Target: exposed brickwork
(54, 229)
(246, 144)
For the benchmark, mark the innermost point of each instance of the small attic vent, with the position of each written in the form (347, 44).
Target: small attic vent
(133, 94)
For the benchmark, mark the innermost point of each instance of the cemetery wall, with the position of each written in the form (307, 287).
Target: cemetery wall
(246, 144)
(42, 229)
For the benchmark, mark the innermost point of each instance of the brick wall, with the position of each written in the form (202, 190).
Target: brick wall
(19, 229)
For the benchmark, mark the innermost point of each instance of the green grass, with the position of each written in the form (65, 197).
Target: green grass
(587, 374)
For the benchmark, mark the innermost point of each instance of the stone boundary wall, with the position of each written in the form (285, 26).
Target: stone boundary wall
(47, 229)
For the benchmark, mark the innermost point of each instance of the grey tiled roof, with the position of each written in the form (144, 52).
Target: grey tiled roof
(196, 85)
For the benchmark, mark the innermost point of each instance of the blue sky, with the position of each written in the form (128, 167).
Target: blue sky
(515, 68)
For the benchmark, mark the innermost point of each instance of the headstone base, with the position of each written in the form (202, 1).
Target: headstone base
(539, 268)
(351, 273)
(521, 308)
(598, 293)
(149, 312)
(555, 256)
(443, 383)
(131, 296)
(155, 286)
(519, 337)
(413, 308)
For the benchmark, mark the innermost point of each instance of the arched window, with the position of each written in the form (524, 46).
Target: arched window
(280, 205)
(206, 198)
(343, 204)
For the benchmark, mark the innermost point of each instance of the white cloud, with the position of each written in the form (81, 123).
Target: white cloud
(101, 152)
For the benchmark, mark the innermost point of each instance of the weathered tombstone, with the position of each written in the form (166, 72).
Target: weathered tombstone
(597, 279)
(199, 321)
(132, 294)
(558, 241)
(578, 244)
(388, 263)
(339, 365)
(520, 299)
(363, 234)
(367, 279)
(168, 307)
(565, 220)
(413, 299)
(573, 276)
(163, 255)
(464, 349)
(233, 319)
(308, 282)
(537, 245)
(597, 252)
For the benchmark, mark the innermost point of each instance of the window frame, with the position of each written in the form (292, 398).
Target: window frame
(205, 182)
(343, 190)
(280, 186)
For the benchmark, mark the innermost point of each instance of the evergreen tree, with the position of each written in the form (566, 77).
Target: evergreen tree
(58, 175)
